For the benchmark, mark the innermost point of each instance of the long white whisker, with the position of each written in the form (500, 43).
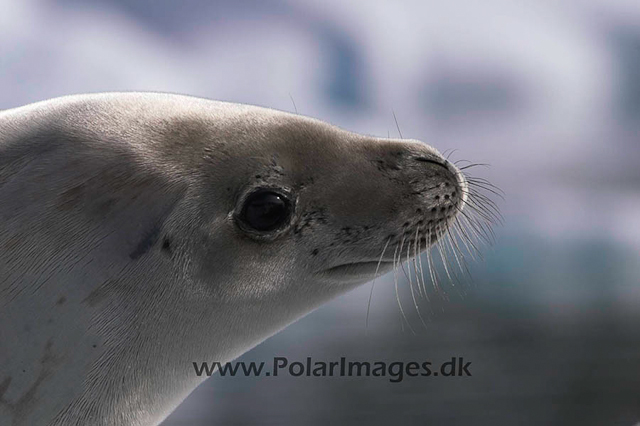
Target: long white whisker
(404, 316)
(373, 283)
(424, 286)
(415, 303)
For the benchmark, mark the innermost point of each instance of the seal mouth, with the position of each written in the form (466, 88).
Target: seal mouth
(358, 270)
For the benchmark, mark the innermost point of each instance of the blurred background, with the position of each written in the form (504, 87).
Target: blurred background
(546, 92)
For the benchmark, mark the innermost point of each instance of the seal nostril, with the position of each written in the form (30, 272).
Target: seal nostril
(429, 160)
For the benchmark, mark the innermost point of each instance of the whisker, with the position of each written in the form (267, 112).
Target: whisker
(455, 249)
(474, 165)
(472, 224)
(416, 258)
(432, 270)
(459, 228)
(483, 211)
(404, 316)
(415, 303)
(466, 225)
(397, 126)
(493, 189)
(443, 257)
(453, 241)
(294, 103)
(375, 275)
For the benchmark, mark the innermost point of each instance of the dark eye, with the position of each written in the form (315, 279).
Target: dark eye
(265, 210)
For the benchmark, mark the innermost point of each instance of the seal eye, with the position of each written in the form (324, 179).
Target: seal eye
(265, 211)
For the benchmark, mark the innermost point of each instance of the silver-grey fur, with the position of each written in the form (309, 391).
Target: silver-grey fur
(121, 261)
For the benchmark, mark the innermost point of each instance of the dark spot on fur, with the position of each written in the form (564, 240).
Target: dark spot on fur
(105, 206)
(315, 252)
(25, 404)
(70, 198)
(384, 166)
(95, 346)
(100, 293)
(146, 243)
(309, 219)
(61, 300)
(5, 385)
(166, 245)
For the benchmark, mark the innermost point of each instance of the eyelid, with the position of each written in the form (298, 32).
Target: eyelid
(286, 193)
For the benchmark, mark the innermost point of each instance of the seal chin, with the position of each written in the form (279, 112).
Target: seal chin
(357, 271)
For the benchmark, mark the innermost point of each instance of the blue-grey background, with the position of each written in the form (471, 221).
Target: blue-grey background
(546, 92)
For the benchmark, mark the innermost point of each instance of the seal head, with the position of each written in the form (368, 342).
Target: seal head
(143, 232)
